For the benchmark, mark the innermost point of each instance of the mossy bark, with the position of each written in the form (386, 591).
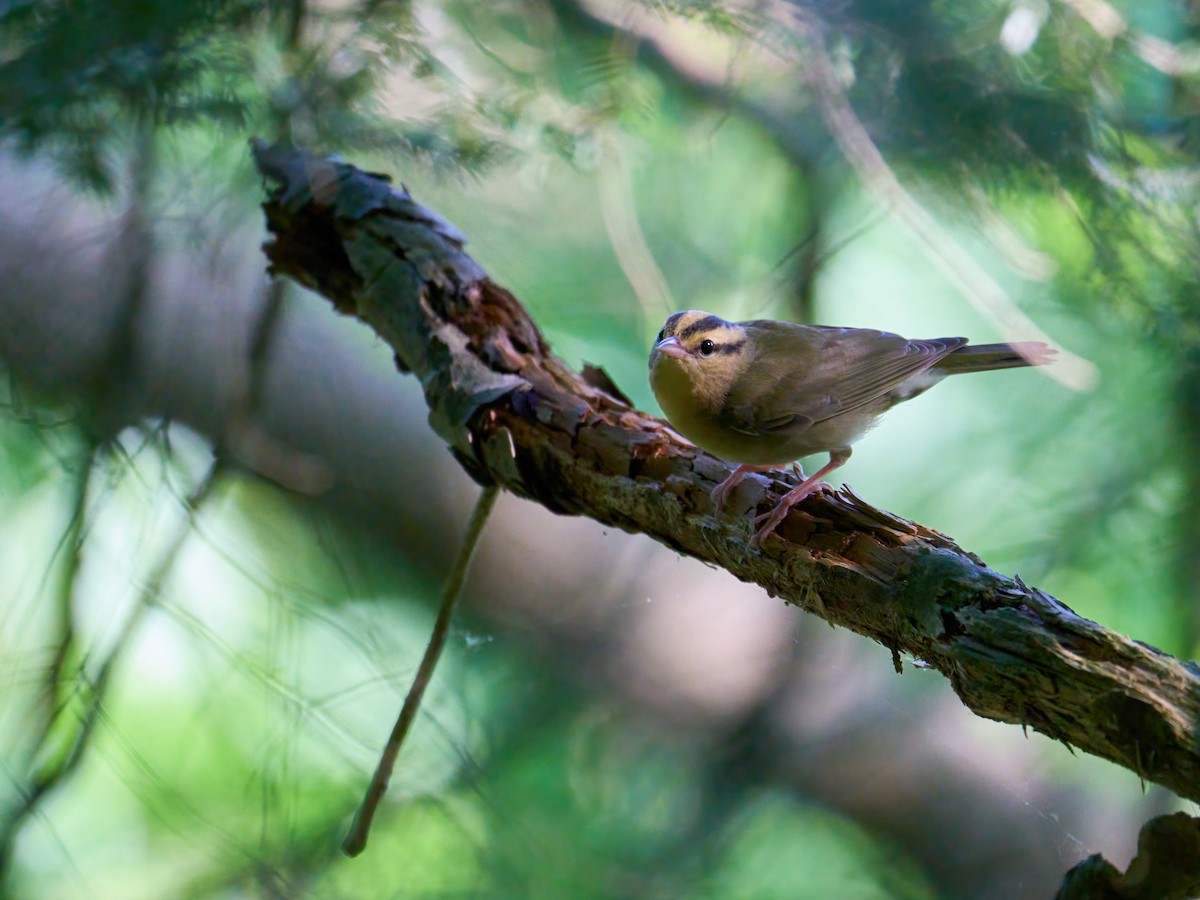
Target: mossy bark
(515, 415)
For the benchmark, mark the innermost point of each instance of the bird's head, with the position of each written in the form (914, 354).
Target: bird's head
(700, 352)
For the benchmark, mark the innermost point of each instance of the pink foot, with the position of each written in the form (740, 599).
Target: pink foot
(721, 491)
(779, 513)
(795, 495)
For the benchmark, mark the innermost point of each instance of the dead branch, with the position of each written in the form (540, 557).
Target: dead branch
(515, 415)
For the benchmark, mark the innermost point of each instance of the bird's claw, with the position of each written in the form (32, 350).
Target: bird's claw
(775, 516)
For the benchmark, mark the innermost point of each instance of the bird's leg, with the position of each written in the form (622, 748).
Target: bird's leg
(811, 485)
(721, 491)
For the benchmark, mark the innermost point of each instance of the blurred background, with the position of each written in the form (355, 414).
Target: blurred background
(224, 521)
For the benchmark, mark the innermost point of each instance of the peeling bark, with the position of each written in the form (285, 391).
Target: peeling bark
(515, 415)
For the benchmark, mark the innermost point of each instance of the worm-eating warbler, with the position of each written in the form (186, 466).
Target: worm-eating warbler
(764, 394)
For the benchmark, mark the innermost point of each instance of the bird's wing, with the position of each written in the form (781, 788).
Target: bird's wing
(807, 373)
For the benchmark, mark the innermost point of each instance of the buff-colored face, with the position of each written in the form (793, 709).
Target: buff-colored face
(695, 359)
(709, 350)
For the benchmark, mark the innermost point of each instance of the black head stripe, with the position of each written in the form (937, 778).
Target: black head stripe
(708, 323)
(672, 321)
(730, 348)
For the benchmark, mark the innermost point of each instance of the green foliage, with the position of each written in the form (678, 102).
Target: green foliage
(76, 75)
(777, 849)
(245, 713)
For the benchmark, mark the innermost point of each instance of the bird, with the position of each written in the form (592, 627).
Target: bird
(764, 393)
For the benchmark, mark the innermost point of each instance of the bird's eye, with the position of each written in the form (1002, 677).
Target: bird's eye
(661, 334)
(707, 347)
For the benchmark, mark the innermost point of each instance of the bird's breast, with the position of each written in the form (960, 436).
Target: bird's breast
(698, 418)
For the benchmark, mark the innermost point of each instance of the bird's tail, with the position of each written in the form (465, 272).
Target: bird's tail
(985, 357)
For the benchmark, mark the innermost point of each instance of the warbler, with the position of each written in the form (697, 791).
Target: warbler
(764, 394)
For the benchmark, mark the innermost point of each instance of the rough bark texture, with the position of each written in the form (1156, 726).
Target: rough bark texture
(515, 415)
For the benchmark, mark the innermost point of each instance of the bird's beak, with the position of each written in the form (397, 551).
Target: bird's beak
(671, 347)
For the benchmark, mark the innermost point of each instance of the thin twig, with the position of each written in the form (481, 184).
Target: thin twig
(72, 547)
(356, 838)
(618, 209)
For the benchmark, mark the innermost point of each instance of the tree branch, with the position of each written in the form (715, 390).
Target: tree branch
(516, 416)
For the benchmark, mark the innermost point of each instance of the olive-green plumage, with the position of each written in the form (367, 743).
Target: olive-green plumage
(766, 393)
